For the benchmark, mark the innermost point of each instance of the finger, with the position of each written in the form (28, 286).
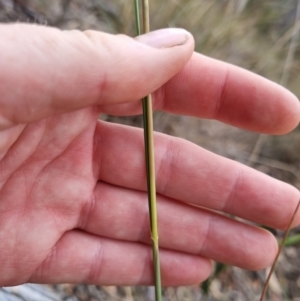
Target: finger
(45, 71)
(216, 90)
(233, 95)
(182, 228)
(82, 258)
(188, 173)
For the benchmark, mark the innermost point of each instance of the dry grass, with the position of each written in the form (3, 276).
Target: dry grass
(252, 34)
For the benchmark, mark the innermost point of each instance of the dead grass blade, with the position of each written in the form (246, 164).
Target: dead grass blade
(278, 253)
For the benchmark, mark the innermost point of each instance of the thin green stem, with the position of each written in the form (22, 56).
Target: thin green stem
(150, 160)
(137, 17)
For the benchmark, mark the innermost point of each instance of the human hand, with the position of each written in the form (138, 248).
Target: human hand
(73, 201)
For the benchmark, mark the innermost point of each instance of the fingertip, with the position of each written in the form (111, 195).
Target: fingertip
(265, 255)
(269, 107)
(203, 269)
(297, 122)
(208, 269)
(289, 106)
(291, 212)
(260, 254)
(296, 210)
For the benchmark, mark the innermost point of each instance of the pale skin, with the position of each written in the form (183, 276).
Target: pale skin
(73, 201)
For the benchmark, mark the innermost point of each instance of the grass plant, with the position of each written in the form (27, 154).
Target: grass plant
(149, 156)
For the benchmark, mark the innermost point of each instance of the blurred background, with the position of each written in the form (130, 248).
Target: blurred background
(261, 36)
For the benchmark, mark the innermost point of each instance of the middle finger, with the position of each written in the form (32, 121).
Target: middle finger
(122, 214)
(188, 173)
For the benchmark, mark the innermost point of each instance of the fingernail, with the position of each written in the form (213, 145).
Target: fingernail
(165, 38)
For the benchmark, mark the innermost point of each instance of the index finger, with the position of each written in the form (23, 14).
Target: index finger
(233, 95)
(212, 89)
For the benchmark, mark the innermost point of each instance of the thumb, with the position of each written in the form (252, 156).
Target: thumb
(45, 71)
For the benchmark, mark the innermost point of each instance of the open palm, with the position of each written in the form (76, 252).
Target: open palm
(73, 206)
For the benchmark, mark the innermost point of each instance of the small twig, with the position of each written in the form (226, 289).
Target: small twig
(278, 253)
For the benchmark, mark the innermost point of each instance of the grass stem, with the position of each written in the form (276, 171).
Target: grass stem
(150, 159)
(279, 252)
